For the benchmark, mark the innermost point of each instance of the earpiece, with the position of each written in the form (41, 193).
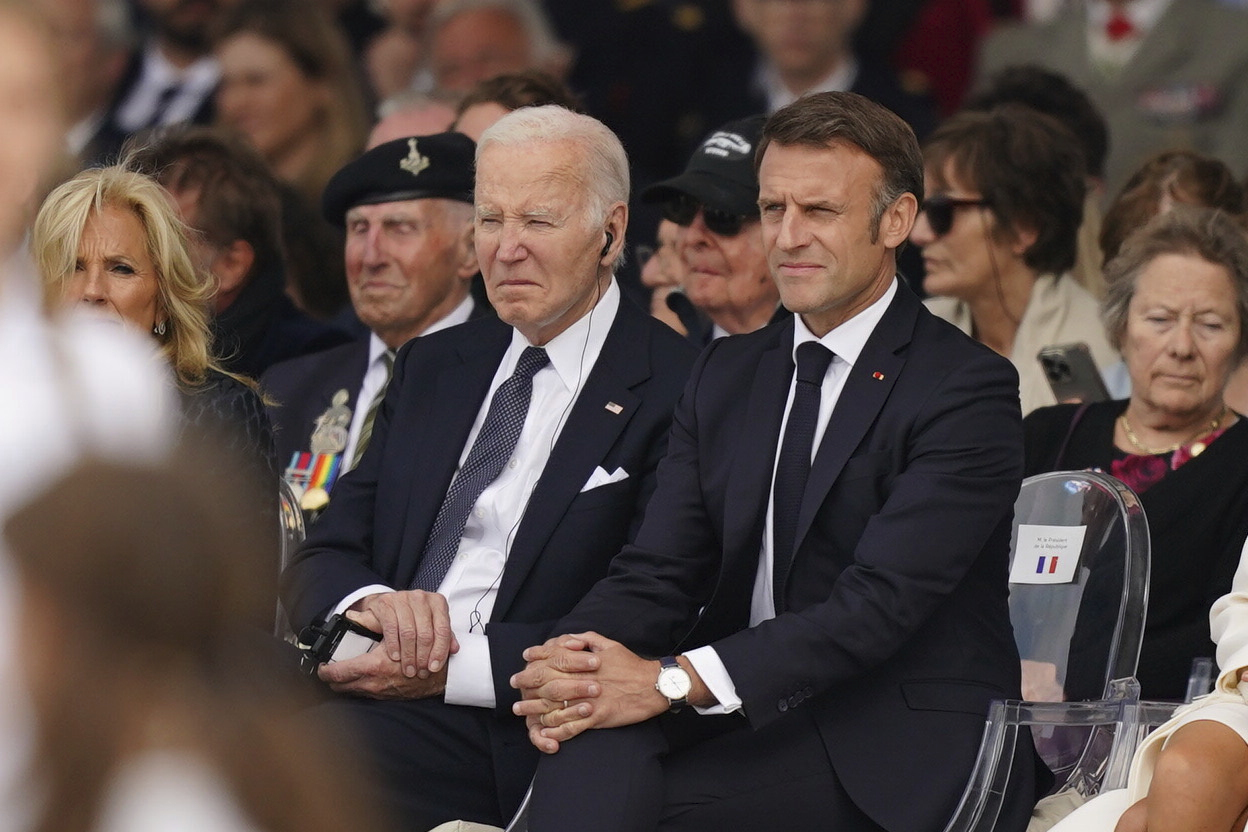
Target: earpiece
(607, 246)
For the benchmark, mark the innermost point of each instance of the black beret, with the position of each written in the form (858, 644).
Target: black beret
(422, 167)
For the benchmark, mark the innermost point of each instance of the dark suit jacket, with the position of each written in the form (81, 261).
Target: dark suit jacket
(301, 389)
(376, 526)
(894, 628)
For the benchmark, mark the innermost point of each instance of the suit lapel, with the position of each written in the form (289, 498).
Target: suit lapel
(749, 491)
(589, 433)
(870, 381)
(446, 411)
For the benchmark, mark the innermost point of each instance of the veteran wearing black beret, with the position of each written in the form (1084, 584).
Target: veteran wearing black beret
(406, 208)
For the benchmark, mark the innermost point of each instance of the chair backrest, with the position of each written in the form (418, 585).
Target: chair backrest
(1078, 584)
(291, 532)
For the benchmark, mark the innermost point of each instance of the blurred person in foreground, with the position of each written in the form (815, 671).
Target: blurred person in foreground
(1176, 308)
(155, 705)
(232, 203)
(70, 384)
(1172, 177)
(109, 241)
(998, 230)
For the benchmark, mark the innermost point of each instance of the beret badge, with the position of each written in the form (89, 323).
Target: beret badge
(414, 162)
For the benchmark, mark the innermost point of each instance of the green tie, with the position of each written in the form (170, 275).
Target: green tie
(366, 430)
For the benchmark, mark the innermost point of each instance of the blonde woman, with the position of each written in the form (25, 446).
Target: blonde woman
(110, 240)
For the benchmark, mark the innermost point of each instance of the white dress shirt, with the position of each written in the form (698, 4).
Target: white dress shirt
(471, 585)
(778, 95)
(846, 343)
(377, 376)
(197, 82)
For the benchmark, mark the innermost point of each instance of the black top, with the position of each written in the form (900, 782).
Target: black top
(1197, 519)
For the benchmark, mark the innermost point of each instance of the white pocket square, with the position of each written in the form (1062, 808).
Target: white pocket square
(600, 477)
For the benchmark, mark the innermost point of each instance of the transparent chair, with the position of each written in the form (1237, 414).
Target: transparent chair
(291, 532)
(1079, 639)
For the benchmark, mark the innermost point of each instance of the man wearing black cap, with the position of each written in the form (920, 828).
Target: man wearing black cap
(407, 209)
(511, 459)
(715, 201)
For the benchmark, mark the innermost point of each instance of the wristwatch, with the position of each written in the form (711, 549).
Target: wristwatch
(674, 683)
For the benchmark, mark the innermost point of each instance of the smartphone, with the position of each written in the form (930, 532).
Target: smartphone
(1072, 374)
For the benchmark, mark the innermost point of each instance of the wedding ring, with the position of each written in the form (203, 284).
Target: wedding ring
(565, 704)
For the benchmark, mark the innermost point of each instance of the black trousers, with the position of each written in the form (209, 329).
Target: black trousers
(636, 779)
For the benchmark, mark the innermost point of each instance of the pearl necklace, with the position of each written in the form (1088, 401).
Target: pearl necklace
(1214, 424)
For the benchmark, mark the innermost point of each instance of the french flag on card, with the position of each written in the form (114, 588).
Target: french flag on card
(1046, 554)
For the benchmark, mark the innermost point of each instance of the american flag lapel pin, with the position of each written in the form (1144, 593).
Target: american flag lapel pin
(617, 409)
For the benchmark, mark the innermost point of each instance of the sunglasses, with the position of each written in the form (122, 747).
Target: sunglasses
(683, 208)
(940, 208)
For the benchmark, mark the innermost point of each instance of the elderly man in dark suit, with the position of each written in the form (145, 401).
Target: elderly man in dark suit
(407, 209)
(842, 528)
(511, 459)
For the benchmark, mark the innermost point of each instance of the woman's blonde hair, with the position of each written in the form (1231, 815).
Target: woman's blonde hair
(183, 289)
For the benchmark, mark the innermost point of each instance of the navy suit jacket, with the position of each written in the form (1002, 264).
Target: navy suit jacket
(893, 626)
(375, 527)
(303, 388)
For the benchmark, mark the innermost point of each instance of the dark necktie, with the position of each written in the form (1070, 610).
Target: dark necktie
(370, 418)
(163, 102)
(793, 467)
(494, 446)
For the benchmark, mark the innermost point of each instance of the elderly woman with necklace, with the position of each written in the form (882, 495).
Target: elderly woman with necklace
(1176, 308)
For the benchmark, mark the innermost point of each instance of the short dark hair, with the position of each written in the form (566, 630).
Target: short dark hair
(1027, 167)
(513, 90)
(1181, 175)
(237, 196)
(829, 118)
(1054, 95)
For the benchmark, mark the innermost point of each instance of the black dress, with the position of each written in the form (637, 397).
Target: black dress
(1197, 519)
(232, 416)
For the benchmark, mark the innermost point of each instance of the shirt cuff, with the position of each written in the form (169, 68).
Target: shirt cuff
(715, 676)
(469, 673)
(362, 592)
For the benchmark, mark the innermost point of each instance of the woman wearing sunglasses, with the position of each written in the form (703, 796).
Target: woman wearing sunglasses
(998, 231)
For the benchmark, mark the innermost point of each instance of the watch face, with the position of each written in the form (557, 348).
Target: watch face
(674, 683)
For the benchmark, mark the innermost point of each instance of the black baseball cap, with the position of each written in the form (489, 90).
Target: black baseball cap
(421, 167)
(720, 174)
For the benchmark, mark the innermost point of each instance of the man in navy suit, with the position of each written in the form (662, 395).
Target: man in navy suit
(409, 265)
(511, 459)
(822, 575)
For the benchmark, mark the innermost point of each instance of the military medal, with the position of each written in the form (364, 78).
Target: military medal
(332, 428)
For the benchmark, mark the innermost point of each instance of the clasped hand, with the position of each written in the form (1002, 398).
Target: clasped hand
(410, 662)
(576, 682)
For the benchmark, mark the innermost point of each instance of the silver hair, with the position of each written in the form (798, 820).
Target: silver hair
(606, 163)
(1210, 234)
(544, 45)
(414, 100)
